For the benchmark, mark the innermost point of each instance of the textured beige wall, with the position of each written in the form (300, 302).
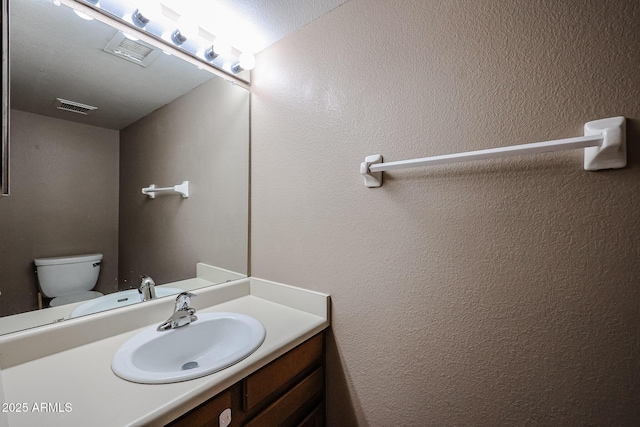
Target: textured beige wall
(497, 293)
(64, 201)
(201, 137)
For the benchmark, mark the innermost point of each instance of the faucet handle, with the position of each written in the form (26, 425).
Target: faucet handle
(183, 301)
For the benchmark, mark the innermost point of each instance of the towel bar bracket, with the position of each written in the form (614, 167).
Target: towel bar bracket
(612, 153)
(371, 179)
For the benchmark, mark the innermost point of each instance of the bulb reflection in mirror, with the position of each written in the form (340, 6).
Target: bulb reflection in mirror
(219, 47)
(83, 15)
(246, 62)
(130, 37)
(188, 27)
(147, 10)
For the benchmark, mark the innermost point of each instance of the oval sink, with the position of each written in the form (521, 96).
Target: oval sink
(213, 342)
(117, 299)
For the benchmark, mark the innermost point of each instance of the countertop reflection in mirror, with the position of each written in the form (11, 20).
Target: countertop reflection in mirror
(88, 130)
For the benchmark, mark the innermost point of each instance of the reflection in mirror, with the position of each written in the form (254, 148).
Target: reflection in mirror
(4, 139)
(90, 127)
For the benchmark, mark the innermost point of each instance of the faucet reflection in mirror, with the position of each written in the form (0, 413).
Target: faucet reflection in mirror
(185, 33)
(147, 289)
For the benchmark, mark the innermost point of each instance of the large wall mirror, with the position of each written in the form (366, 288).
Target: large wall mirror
(89, 128)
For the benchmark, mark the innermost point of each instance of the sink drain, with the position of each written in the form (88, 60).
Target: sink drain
(189, 365)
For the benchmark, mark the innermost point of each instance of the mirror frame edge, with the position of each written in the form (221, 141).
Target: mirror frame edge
(4, 149)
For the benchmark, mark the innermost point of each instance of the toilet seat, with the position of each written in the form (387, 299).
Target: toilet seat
(74, 297)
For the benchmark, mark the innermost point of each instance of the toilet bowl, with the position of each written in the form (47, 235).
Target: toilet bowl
(68, 279)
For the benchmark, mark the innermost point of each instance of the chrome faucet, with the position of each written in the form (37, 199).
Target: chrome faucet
(182, 315)
(147, 289)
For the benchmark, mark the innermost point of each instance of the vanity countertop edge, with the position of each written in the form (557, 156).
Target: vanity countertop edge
(79, 373)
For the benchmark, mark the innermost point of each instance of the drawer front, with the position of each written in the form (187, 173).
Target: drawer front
(295, 405)
(315, 418)
(277, 376)
(205, 415)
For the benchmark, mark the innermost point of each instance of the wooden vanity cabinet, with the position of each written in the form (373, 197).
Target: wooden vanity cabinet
(288, 392)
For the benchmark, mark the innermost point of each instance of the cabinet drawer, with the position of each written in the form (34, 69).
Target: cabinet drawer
(295, 405)
(205, 415)
(315, 418)
(276, 377)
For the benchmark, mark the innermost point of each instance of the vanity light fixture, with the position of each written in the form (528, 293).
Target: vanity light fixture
(154, 18)
(148, 10)
(219, 47)
(246, 61)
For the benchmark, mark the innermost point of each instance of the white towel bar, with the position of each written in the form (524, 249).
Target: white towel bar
(604, 143)
(180, 188)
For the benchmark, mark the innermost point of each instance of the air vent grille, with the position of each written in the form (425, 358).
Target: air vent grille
(74, 107)
(134, 51)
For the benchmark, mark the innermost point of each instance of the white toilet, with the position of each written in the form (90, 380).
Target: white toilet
(68, 279)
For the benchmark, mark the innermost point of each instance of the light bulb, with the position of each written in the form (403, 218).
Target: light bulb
(188, 27)
(130, 37)
(148, 10)
(219, 47)
(83, 15)
(246, 61)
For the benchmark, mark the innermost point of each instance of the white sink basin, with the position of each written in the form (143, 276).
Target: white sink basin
(213, 342)
(118, 299)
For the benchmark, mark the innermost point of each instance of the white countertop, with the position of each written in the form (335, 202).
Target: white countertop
(78, 388)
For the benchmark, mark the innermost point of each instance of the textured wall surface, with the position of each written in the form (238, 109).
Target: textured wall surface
(50, 213)
(496, 293)
(201, 137)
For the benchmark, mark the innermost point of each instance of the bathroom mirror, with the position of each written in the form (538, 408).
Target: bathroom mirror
(95, 116)
(4, 139)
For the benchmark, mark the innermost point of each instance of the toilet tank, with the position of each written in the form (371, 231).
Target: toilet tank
(65, 275)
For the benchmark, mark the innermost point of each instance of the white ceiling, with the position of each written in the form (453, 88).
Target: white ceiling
(55, 54)
(48, 62)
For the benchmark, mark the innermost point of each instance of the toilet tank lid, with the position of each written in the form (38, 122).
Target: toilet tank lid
(74, 259)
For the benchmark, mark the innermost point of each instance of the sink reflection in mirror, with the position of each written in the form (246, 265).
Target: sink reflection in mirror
(77, 178)
(118, 299)
(213, 342)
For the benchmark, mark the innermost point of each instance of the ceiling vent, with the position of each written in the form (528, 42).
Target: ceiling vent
(135, 51)
(74, 107)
